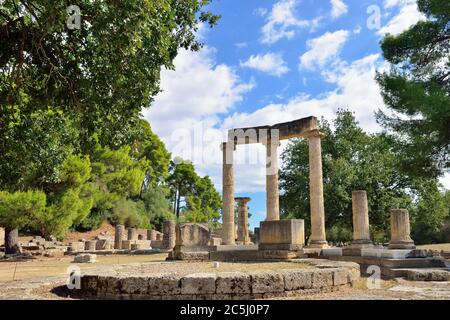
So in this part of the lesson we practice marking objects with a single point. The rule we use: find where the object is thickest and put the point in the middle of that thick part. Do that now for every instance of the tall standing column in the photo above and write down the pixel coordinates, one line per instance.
(228, 232)
(242, 234)
(272, 191)
(400, 230)
(361, 233)
(318, 237)
(169, 234)
(132, 234)
(118, 236)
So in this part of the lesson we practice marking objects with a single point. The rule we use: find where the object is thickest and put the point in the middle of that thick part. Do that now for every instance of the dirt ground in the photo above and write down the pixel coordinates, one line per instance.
(38, 278)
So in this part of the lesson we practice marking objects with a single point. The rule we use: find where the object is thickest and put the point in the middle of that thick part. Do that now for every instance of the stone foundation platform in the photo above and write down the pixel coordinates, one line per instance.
(319, 276)
(417, 265)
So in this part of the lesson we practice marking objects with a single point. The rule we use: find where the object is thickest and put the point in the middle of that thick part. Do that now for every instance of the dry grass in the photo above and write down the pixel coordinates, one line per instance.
(184, 267)
(439, 246)
(46, 267)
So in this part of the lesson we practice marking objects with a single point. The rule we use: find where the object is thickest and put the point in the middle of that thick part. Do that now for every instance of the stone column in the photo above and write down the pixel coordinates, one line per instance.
(242, 234)
(151, 234)
(132, 234)
(361, 233)
(169, 234)
(118, 236)
(12, 245)
(228, 233)
(318, 237)
(400, 230)
(272, 190)
(90, 245)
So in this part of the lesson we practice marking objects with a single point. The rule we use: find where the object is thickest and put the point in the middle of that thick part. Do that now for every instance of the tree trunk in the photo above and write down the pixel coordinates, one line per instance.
(178, 205)
(12, 241)
(175, 202)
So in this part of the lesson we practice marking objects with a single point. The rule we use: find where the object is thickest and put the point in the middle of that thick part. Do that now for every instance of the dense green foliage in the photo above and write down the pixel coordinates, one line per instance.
(202, 201)
(73, 147)
(417, 89)
(355, 160)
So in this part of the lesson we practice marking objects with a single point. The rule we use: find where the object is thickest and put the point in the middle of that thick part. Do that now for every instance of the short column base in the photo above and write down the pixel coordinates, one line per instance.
(402, 245)
(317, 244)
(356, 248)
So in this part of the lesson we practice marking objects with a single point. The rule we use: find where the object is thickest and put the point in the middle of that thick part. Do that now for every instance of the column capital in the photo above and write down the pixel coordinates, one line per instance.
(242, 200)
(314, 133)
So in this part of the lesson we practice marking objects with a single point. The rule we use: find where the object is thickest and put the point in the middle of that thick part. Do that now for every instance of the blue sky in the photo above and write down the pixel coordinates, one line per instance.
(268, 62)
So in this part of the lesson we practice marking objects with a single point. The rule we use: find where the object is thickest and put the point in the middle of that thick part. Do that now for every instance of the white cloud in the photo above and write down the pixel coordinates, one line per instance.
(323, 49)
(356, 90)
(260, 12)
(186, 112)
(409, 15)
(241, 44)
(282, 22)
(445, 180)
(338, 8)
(271, 63)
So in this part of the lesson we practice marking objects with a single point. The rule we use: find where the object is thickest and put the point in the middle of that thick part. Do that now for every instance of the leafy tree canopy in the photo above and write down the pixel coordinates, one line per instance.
(417, 90)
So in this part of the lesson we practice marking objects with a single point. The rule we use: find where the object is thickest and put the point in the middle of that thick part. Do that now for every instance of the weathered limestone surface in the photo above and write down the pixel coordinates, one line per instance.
(104, 244)
(286, 130)
(322, 276)
(192, 234)
(267, 281)
(151, 234)
(85, 258)
(297, 279)
(132, 234)
(228, 232)
(361, 234)
(118, 236)
(75, 246)
(318, 237)
(242, 234)
(272, 190)
(90, 245)
(164, 284)
(126, 244)
(198, 283)
(400, 230)
(282, 235)
(192, 242)
(169, 234)
(233, 282)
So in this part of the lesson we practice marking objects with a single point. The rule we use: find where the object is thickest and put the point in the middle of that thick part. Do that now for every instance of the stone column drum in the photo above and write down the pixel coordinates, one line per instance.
(90, 245)
(242, 234)
(400, 230)
(169, 236)
(132, 234)
(228, 233)
(361, 233)
(151, 235)
(118, 236)
(272, 190)
(318, 237)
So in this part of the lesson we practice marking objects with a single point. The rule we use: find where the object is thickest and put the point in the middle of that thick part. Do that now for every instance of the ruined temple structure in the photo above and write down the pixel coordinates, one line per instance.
(270, 137)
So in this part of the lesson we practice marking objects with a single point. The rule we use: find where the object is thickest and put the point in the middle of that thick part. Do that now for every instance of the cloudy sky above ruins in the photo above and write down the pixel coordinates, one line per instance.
(268, 62)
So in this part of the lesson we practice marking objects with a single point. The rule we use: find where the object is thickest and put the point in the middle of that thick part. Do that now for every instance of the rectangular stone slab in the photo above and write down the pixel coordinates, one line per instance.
(282, 235)
(287, 130)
